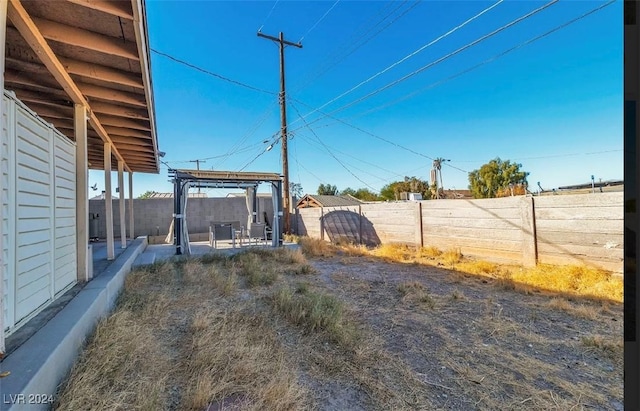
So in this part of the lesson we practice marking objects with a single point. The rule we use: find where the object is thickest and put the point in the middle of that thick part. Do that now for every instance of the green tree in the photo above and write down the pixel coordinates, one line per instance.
(365, 194)
(327, 190)
(392, 191)
(348, 191)
(147, 194)
(494, 176)
(295, 189)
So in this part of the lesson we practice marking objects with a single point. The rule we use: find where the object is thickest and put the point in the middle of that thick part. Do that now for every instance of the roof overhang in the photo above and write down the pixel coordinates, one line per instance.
(89, 52)
(224, 179)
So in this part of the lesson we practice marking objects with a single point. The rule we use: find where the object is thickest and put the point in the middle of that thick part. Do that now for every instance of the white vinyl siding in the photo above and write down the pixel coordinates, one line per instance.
(39, 245)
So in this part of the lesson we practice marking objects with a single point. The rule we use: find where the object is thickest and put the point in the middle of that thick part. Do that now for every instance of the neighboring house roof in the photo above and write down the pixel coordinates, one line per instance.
(94, 54)
(457, 194)
(259, 195)
(327, 201)
(597, 184)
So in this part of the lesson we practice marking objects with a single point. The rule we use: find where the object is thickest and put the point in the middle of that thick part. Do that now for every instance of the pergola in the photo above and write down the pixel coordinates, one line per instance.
(249, 181)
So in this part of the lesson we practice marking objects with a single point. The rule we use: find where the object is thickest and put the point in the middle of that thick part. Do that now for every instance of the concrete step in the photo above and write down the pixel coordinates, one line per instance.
(145, 258)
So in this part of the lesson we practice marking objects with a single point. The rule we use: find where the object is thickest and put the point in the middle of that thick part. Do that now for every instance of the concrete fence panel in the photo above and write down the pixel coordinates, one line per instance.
(309, 222)
(390, 222)
(581, 229)
(487, 228)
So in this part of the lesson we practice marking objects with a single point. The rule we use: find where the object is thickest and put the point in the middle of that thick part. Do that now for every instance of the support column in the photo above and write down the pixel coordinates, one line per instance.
(123, 225)
(82, 193)
(3, 40)
(131, 230)
(108, 201)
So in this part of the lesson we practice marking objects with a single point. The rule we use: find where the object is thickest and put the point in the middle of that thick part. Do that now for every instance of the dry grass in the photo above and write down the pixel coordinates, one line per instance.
(580, 281)
(416, 292)
(234, 354)
(316, 312)
(313, 247)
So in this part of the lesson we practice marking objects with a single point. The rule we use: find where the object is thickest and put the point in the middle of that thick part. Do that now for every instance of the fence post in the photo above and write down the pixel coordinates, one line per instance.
(360, 224)
(418, 224)
(528, 230)
(322, 223)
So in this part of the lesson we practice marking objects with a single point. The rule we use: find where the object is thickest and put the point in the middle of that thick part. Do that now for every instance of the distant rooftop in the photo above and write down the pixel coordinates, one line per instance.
(327, 201)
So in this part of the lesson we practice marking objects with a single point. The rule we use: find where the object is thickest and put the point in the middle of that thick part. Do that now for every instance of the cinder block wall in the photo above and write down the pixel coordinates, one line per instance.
(153, 216)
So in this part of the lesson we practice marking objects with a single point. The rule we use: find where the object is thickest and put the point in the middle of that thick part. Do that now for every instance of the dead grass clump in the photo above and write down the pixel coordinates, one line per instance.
(612, 348)
(478, 267)
(314, 247)
(580, 310)
(429, 252)
(193, 272)
(458, 295)
(211, 258)
(451, 257)
(578, 280)
(301, 269)
(225, 283)
(415, 291)
(114, 371)
(355, 250)
(261, 278)
(235, 358)
(156, 273)
(291, 238)
(395, 252)
(316, 312)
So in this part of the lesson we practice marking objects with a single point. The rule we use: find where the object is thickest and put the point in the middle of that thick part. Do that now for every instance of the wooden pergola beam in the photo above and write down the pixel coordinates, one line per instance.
(85, 39)
(127, 133)
(30, 32)
(115, 8)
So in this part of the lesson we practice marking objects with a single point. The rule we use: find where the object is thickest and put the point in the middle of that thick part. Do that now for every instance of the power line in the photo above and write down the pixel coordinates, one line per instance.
(419, 50)
(335, 62)
(489, 60)
(447, 56)
(221, 77)
(363, 131)
(268, 15)
(329, 151)
(318, 21)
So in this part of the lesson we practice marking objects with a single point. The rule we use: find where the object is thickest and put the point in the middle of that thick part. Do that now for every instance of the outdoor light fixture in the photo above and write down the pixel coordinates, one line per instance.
(269, 148)
(161, 153)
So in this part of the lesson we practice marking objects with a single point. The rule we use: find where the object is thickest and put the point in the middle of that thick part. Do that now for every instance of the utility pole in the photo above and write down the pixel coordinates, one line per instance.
(198, 167)
(283, 119)
(437, 172)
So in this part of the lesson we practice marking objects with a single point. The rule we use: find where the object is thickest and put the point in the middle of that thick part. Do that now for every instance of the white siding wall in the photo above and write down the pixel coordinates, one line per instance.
(38, 213)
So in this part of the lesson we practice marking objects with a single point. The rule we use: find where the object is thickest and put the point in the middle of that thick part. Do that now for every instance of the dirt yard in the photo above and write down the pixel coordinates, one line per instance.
(275, 330)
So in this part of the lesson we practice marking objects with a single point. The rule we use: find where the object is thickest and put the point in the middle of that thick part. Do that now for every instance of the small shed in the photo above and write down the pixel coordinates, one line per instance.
(327, 201)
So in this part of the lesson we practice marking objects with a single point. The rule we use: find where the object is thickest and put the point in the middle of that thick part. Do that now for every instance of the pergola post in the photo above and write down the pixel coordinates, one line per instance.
(108, 202)
(131, 231)
(82, 193)
(123, 226)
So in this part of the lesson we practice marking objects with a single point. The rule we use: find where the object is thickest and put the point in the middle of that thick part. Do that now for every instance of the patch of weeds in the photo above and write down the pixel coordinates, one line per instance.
(451, 257)
(316, 312)
(302, 269)
(612, 348)
(302, 288)
(314, 247)
(262, 278)
(224, 283)
(291, 238)
(395, 252)
(429, 252)
(458, 295)
(415, 291)
(211, 258)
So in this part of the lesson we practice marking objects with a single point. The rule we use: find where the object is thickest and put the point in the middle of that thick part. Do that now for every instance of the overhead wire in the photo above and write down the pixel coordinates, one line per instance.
(441, 59)
(219, 76)
(331, 153)
(487, 61)
(447, 56)
(268, 15)
(355, 46)
(318, 21)
(408, 56)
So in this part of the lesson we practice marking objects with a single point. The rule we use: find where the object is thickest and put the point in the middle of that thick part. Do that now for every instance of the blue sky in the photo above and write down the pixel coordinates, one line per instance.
(554, 105)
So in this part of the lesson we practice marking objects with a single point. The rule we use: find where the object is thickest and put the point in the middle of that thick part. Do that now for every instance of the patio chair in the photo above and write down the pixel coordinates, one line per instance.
(258, 232)
(222, 232)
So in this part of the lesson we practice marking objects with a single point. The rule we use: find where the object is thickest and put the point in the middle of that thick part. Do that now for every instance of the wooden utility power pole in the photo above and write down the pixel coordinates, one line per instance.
(198, 167)
(283, 119)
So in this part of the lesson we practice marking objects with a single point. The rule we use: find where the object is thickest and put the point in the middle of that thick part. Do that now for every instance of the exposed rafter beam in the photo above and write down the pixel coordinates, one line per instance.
(117, 110)
(109, 120)
(29, 31)
(126, 133)
(116, 8)
(108, 94)
(102, 73)
(74, 36)
(41, 98)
